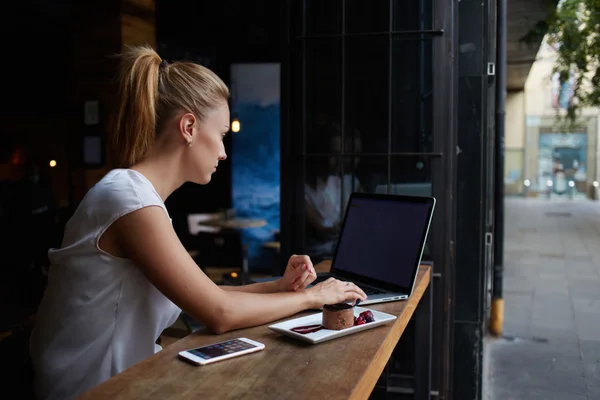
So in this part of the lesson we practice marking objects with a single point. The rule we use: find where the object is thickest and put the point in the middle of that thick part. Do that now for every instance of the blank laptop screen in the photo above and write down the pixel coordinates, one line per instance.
(382, 239)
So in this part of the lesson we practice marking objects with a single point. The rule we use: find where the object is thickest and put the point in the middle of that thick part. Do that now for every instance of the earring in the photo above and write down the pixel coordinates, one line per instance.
(189, 143)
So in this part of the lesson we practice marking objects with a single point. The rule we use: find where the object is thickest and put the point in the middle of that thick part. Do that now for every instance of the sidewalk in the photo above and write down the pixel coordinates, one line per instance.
(550, 347)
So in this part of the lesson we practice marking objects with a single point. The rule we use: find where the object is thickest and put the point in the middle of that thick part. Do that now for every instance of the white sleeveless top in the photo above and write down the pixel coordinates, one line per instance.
(99, 314)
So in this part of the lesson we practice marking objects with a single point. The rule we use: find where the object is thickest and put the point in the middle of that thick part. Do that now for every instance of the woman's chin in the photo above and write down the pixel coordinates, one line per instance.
(204, 181)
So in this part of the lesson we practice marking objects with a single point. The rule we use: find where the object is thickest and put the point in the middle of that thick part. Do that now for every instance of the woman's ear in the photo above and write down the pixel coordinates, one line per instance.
(187, 123)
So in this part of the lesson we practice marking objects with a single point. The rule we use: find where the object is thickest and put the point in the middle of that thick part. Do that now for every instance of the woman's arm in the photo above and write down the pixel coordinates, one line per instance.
(263, 287)
(148, 239)
(298, 274)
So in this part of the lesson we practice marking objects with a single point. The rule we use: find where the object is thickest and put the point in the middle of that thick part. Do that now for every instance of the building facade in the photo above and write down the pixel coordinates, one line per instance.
(542, 159)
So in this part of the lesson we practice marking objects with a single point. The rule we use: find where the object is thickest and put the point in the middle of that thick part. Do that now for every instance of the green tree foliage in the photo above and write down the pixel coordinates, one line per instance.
(573, 30)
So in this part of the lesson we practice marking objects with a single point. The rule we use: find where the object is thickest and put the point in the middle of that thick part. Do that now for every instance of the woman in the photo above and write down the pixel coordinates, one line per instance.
(122, 275)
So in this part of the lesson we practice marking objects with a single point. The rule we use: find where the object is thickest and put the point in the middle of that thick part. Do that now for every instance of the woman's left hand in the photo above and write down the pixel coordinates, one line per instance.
(298, 274)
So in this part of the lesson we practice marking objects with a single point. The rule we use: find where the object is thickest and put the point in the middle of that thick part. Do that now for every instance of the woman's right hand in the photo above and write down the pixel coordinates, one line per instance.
(333, 291)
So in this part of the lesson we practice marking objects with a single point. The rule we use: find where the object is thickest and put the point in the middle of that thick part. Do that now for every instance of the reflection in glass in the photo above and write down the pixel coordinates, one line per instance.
(329, 182)
(366, 91)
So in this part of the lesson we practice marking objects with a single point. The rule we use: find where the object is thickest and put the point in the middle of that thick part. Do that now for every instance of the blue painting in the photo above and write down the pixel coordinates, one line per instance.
(255, 155)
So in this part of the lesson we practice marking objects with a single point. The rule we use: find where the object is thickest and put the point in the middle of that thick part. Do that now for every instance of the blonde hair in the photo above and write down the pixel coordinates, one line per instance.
(150, 91)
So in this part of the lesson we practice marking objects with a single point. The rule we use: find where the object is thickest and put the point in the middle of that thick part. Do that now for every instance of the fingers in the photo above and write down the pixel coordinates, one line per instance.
(306, 278)
(357, 299)
(334, 291)
(310, 265)
(299, 278)
(299, 260)
(348, 288)
(352, 288)
(354, 297)
(302, 279)
(310, 277)
(299, 281)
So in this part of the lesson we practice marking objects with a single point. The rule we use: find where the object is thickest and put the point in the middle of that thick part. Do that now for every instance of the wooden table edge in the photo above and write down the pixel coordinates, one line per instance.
(366, 384)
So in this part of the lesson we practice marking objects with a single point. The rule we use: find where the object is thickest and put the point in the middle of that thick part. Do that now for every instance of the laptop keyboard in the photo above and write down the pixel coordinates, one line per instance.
(367, 289)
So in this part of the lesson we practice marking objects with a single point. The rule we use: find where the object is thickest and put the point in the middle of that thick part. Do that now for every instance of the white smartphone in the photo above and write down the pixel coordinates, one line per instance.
(221, 351)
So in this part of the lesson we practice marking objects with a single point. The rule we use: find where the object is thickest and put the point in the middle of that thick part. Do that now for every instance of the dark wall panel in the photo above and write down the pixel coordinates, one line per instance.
(473, 203)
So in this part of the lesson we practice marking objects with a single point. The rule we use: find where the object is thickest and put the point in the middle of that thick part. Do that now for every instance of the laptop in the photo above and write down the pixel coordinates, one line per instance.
(381, 244)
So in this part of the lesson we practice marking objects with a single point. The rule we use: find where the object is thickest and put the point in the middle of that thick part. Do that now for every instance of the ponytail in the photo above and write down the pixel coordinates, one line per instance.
(150, 89)
(134, 126)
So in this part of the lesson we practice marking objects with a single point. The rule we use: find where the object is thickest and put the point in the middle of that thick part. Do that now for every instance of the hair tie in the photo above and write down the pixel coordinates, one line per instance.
(164, 64)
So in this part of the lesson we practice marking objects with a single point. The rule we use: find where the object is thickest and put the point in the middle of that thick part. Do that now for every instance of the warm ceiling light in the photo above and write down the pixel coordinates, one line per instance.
(235, 125)
(53, 163)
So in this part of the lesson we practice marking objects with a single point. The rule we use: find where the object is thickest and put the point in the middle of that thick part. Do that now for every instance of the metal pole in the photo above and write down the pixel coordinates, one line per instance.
(497, 311)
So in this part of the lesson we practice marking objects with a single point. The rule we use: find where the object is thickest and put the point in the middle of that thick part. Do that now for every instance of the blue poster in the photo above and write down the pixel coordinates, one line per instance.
(255, 155)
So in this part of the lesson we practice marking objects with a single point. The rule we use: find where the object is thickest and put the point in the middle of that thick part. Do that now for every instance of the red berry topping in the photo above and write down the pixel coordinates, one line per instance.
(367, 316)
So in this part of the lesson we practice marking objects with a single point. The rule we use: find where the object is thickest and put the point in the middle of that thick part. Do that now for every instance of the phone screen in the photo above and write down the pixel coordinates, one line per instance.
(221, 349)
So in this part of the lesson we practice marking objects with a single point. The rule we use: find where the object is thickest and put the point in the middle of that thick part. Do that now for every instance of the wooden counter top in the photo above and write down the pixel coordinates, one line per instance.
(344, 368)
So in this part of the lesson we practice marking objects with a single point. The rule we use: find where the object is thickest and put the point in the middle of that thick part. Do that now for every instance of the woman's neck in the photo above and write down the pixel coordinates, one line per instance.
(162, 172)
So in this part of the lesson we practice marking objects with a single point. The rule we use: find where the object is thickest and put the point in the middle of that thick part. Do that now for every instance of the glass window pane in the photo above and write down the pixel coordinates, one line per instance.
(372, 172)
(294, 8)
(412, 15)
(412, 96)
(411, 176)
(326, 193)
(367, 16)
(366, 92)
(324, 203)
(323, 17)
(323, 93)
(329, 181)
